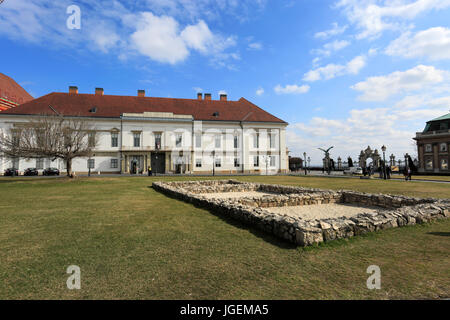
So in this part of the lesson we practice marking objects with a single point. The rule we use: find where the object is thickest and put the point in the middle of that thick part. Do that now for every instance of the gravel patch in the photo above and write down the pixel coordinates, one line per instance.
(323, 211)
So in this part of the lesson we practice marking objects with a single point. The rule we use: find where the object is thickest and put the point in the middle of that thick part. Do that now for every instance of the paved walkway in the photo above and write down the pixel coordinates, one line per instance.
(300, 174)
(339, 174)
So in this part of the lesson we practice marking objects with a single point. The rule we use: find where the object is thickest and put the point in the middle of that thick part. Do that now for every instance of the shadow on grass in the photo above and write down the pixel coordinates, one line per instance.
(442, 234)
(282, 244)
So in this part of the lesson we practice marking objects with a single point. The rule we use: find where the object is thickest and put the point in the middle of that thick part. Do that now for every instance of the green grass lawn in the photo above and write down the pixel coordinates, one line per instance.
(134, 243)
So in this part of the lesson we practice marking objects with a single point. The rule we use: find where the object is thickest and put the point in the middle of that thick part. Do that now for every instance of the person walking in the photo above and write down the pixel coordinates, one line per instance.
(149, 171)
(409, 173)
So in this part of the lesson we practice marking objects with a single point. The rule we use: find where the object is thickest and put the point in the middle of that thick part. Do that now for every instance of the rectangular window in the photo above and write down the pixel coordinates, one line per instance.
(16, 139)
(443, 147)
(114, 163)
(444, 164)
(178, 140)
(236, 142)
(428, 148)
(198, 163)
(272, 161)
(157, 141)
(114, 139)
(256, 161)
(198, 140)
(91, 139)
(137, 139)
(272, 140)
(218, 163)
(256, 141)
(218, 140)
(429, 163)
(236, 162)
(91, 163)
(39, 164)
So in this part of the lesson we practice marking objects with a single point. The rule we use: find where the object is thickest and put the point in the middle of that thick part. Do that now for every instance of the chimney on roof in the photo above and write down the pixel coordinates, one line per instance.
(223, 97)
(207, 96)
(99, 91)
(199, 96)
(141, 93)
(73, 89)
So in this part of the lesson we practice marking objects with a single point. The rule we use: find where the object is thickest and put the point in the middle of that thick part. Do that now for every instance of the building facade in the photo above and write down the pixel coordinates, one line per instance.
(11, 93)
(433, 144)
(184, 136)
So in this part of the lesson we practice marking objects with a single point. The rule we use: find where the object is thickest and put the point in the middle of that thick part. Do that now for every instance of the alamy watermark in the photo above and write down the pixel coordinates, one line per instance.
(74, 280)
(74, 20)
(374, 281)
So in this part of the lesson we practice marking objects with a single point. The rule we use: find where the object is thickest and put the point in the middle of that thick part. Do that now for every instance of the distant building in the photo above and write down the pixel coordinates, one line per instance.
(168, 135)
(11, 93)
(433, 144)
(295, 163)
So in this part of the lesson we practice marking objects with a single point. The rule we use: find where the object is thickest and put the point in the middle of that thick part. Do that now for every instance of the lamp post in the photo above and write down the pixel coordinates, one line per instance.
(383, 148)
(89, 166)
(406, 162)
(304, 156)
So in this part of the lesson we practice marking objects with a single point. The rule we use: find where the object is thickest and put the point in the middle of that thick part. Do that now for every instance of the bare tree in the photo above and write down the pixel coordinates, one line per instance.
(54, 137)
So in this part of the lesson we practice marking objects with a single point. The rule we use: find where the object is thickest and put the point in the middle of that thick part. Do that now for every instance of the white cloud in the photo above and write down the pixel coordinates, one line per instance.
(255, 46)
(198, 36)
(382, 87)
(433, 44)
(334, 31)
(331, 47)
(159, 39)
(355, 65)
(291, 89)
(104, 38)
(423, 101)
(109, 27)
(373, 17)
(362, 127)
(260, 91)
(191, 10)
(331, 71)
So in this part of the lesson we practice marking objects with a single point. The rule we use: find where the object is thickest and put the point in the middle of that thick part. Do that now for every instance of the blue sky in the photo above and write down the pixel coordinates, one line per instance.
(346, 73)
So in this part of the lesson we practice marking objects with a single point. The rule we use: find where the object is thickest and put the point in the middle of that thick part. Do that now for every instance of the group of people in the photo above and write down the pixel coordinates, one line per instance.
(387, 171)
(407, 172)
(368, 171)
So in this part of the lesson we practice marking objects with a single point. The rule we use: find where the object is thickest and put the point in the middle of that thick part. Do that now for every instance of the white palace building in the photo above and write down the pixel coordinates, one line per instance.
(187, 136)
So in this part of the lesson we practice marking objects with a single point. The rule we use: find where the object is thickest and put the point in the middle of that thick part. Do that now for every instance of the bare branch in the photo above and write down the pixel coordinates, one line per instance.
(50, 136)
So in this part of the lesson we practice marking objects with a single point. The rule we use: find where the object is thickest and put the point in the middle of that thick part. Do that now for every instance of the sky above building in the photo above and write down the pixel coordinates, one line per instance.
(343, 73)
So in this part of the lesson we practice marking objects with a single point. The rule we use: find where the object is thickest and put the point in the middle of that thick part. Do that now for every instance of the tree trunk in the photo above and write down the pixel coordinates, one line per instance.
(69, 168)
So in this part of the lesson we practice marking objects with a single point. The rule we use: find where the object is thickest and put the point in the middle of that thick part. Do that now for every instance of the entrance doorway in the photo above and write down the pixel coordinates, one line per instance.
(136, 164)
(158, 162)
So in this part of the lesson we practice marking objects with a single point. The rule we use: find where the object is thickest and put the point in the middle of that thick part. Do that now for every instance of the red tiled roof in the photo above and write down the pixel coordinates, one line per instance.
(113, 106)
(10, 90)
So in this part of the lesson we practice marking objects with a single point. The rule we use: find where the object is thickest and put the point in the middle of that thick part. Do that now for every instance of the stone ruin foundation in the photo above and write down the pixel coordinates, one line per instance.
(305, 216)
